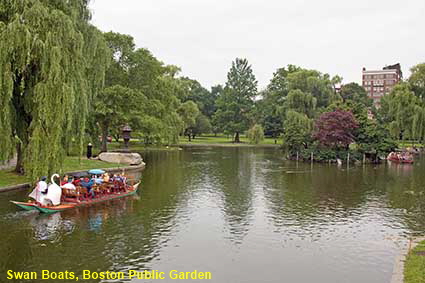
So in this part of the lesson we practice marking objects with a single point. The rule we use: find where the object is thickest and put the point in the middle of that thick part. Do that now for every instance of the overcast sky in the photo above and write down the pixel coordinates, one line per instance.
(333, 36)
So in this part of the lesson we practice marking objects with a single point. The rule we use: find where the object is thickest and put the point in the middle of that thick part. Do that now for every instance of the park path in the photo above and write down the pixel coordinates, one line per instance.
(10, 164)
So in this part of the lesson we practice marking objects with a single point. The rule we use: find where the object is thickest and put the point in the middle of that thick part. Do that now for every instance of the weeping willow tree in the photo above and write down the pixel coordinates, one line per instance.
(52, 63)
(418, 131)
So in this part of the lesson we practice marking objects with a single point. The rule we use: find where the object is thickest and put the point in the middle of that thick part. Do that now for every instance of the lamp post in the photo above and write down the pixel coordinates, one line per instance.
(126, 134)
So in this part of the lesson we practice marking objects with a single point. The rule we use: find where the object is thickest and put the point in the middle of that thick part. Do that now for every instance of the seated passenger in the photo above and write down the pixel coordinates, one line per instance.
(106, 177)
(40, 190)
(86, 183)
(76, 181)
(64, 180)
(97, 180)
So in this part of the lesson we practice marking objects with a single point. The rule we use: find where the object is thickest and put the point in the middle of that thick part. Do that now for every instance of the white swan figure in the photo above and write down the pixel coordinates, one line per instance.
(54, 192)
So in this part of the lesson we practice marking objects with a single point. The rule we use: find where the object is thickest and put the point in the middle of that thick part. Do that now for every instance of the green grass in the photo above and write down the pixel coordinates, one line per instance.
(221, 140)
(224, 140)
(414, 267)
(138, 146)
(403, 144)
(9, 178)
(74, 164)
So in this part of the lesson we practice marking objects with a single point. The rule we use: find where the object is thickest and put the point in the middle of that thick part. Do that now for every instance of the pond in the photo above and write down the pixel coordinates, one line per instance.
(243, 214)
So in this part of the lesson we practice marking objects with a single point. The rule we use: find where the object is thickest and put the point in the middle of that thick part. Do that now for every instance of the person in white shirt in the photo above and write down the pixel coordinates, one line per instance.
(40, 190)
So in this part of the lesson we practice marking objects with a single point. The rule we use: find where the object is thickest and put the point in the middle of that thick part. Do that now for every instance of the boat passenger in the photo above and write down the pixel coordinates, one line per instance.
(69, 184)
(76, 181)
(106, 177)
(86, 183)
(40, 190)
(64, 180)
(97, 180)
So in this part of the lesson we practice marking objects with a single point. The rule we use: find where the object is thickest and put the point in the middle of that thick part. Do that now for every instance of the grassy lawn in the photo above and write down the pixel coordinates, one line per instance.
(221, 139)
(75, 164)
(8, 178)
(414, 267)
(136, 145)
(403, 144)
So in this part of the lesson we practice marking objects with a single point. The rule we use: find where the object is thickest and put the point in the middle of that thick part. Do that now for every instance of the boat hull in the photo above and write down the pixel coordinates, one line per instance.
(408, 161)
(25, 205)
(66, 206)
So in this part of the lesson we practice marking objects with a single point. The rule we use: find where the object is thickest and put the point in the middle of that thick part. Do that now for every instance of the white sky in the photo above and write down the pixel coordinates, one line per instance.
(333, 36)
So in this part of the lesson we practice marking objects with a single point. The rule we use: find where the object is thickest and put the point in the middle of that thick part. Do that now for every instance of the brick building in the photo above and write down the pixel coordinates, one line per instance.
(377, 83)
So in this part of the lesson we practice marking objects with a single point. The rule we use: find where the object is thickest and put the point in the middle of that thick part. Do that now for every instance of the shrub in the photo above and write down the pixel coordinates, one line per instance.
(256, 134)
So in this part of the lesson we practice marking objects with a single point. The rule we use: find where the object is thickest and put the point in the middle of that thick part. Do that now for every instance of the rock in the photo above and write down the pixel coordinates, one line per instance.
(121, 158)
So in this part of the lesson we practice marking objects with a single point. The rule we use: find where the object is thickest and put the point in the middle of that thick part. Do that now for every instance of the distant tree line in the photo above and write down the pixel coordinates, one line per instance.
(64, 83)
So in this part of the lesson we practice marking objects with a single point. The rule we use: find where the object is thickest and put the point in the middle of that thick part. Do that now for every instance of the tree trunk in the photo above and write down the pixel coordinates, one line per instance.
(19, 159)
(189, 136)
(104, 147)
(237, 140)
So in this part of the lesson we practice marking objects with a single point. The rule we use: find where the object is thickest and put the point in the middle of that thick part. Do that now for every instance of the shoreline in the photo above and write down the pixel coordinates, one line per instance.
(130, 168)
(187, 145)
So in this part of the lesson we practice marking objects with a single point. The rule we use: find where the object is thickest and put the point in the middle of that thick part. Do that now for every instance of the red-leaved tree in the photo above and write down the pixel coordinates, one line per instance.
(335, 129)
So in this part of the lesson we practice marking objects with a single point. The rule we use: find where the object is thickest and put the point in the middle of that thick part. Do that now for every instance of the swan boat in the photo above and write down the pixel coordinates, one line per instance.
(79, 197)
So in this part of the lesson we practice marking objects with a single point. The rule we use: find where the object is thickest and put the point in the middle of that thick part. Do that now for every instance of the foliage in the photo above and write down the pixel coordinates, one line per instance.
(301, 102)
(269, 116)
(319, 85)
(356, 93)
(374, 138)
(398, 110)
(202, 97)
(417, 80)
(202, 125)
(297, 132)
(235, 104)
(335, 129)
(256, 134)
(188, 112)
(115, 106)
(52, 63)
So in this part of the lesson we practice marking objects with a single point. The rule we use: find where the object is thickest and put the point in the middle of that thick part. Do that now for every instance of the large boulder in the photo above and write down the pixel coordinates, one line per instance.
(121, 157)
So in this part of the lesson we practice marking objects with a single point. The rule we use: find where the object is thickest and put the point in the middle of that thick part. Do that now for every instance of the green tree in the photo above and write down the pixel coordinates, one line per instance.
(356, 93)
(202, 125)
(301, 102)
(319, 85)
(373, 138)
(297, 133)
(234, 106)
(202, 97)
(398, 110)
(52, 64)
(417, 80)
(117, 105)
(188, 111)
(256, 134)
(269, 115)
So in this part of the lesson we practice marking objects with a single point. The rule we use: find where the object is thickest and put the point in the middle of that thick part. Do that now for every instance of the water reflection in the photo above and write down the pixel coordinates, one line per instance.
(233, 212)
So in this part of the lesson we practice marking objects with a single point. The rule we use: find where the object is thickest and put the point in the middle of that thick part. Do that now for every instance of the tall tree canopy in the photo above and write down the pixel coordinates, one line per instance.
(356, 93)
(235, 104)
(52, 63)
(398, 109)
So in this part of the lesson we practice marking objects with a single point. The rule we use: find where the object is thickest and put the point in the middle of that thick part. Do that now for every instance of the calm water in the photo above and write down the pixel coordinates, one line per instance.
(245, 215)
